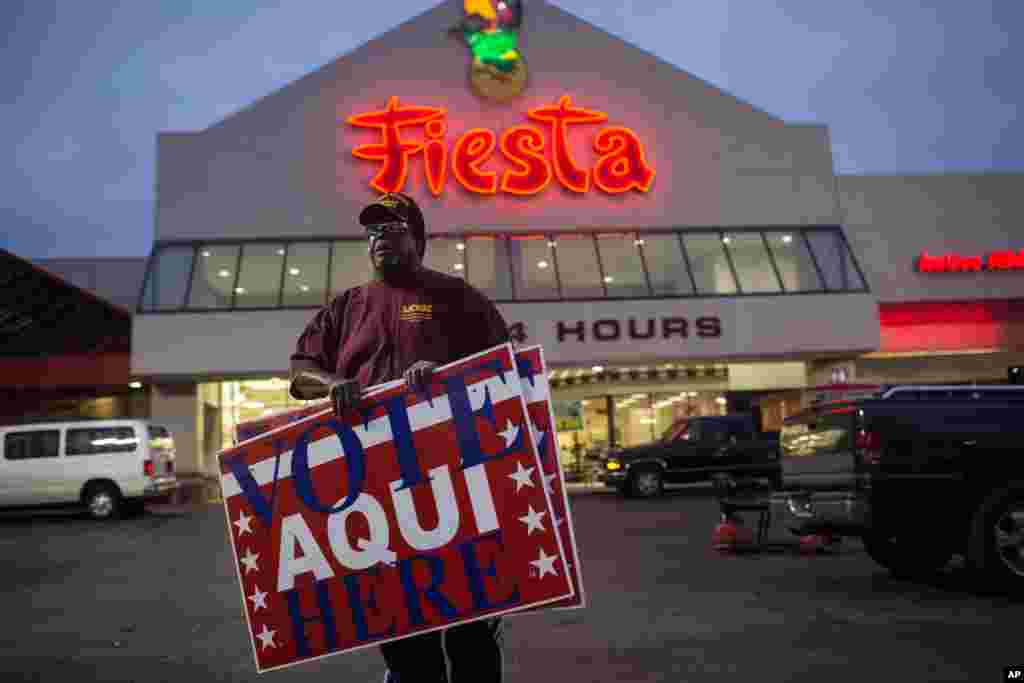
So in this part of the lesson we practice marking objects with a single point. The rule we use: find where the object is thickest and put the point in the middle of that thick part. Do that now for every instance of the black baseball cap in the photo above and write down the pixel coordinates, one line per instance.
(395, 206)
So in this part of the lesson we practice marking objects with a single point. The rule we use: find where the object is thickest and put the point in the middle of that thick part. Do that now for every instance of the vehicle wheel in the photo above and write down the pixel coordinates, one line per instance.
(646, 483)
(907, 559)
(996, 545)
(102, 501)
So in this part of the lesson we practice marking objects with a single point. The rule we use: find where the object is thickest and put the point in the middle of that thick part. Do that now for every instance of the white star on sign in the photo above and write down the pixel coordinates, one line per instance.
(545, 564)
(523, 476)
(259, 599)
(249, 560)
(548, 478)
(510, 433)
(532, 521)
(267, 637)
(243, 522)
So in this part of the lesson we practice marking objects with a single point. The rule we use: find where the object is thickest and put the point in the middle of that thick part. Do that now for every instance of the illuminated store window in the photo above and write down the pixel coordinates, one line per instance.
(259, 278)
(305, 274)
(794, 262)
(623, 269)
(753, 265)
(213, 279)
(488, 266)
(578, 270)
(665, 263)
(350, 265)
(168, 279)
(533, 267)
(446, 255)
(711, 269)
(835, 261)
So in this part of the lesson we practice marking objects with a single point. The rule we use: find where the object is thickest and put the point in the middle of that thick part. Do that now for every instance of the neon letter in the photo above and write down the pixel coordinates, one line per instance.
(523, 146)
(471, 150)
(394, 152)
(559, 116)
(435, 156)
(622, 166)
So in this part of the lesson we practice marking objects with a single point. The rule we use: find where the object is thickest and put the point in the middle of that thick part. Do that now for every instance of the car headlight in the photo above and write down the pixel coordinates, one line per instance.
(613, 465)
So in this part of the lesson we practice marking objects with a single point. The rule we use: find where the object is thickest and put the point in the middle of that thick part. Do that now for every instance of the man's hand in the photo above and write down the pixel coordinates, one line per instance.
(418, 375)
(345, 394)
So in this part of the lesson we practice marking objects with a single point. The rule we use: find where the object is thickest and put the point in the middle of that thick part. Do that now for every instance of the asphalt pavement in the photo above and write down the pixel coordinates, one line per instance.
(155, 598)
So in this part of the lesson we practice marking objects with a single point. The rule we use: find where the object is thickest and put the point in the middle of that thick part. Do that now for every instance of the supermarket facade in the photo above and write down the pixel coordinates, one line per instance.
(675, 250)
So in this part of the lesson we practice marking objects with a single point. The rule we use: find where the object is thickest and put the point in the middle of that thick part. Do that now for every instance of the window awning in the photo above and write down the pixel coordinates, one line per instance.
(53, 334)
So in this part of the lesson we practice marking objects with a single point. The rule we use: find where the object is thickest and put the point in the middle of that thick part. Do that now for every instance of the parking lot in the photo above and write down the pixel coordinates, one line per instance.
(155, 598)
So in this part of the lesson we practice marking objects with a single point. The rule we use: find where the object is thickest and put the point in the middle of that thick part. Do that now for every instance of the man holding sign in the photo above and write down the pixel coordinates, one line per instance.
(405, 323)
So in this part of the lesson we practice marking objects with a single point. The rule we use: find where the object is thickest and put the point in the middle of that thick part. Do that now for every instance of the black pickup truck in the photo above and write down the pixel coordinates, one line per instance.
(695, 449)
(918, 475)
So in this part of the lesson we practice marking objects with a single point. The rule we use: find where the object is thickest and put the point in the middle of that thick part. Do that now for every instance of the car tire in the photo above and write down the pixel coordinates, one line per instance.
(919, 557)
(102, 501)
(996, 541)
(646, 483)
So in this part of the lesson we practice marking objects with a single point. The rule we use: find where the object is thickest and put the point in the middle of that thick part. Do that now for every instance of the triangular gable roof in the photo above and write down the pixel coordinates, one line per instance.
(540, 16)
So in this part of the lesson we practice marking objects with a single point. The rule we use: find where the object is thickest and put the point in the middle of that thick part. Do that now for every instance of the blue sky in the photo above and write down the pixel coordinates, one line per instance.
(905, 87)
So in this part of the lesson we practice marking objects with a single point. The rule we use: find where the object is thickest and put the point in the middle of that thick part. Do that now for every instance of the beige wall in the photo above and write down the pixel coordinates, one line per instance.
(259, 343)
(889, 220)
(283, 166)
(177, 407)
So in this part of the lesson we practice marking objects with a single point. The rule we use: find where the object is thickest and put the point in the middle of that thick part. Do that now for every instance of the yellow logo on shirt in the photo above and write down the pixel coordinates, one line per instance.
(414, 313)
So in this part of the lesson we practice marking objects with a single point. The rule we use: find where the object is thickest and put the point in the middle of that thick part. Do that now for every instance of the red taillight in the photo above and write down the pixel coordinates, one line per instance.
(147, 468)
(870, 445)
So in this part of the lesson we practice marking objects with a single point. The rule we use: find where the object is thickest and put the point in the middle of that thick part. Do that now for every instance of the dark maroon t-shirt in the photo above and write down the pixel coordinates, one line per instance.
(374, 332)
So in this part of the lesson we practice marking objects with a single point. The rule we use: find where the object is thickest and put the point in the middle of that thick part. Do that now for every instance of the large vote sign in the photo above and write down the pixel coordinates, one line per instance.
(533, 373)
(413, 513)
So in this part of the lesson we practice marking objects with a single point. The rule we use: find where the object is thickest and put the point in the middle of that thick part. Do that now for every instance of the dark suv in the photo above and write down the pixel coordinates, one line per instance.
(694, 449)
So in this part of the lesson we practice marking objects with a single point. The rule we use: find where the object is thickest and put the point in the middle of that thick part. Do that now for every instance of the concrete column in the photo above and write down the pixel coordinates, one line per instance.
(177, 407)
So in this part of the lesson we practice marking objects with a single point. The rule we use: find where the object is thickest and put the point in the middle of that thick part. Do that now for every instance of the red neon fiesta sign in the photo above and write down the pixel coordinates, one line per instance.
(955, 263)
(622, 165)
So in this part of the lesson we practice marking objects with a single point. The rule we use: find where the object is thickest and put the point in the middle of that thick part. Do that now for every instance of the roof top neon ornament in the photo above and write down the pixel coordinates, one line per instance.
(491, 31)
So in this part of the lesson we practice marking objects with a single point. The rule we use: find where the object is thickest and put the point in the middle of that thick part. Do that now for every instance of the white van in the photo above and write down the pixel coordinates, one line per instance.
(107, 466)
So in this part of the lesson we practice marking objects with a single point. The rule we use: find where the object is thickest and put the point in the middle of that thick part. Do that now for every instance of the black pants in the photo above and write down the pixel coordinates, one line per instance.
(473, 649)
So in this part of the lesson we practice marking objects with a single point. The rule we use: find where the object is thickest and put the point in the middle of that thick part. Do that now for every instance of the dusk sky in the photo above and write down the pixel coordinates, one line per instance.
(905, 87)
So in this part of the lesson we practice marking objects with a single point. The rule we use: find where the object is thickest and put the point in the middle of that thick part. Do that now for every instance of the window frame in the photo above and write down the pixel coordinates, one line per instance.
(15, 432)
(506, 236)
(118, 451)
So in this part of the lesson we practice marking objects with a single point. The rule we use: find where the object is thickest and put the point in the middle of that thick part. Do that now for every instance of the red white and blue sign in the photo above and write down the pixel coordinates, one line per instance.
(414, 513)
(533, 373)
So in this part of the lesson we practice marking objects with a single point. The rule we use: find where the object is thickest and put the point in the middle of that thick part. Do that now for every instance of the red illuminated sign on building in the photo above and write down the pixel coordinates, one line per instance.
(955, 263)
(622, 165)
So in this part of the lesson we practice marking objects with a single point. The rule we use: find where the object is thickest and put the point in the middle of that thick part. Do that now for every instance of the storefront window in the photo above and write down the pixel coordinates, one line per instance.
(794, 261)
(753, 265)
(623, 269)
(235, 402)
(305, 277)
(259, 279)
(168, 279)
(213, 279)
(533, 267)
(711, 269)
(350, 265)
(446, 255)
(488, 266)
(835, 260)
(578, 270)
(646, 417)
(669, 273)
